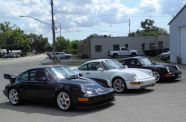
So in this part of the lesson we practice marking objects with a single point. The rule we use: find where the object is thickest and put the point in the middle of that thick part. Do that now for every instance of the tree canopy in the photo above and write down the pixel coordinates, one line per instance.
(148, 29)
(13, 38)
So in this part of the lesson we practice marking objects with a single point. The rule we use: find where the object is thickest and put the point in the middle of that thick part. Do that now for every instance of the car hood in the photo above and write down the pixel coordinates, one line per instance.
(83, 81)
(164, 66)
(140, 73)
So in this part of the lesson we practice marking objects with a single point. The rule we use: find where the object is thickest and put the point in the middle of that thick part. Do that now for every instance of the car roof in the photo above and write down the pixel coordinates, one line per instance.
(45, 67)
(96, 60)
(137, 57)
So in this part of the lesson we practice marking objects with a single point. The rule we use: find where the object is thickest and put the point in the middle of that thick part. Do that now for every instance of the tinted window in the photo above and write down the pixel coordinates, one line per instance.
(37, 75)
(84, 67)
(23, 77)
(133, 62)
(94, 66)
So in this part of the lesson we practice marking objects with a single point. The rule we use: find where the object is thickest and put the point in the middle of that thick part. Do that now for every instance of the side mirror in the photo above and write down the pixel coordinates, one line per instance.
(100, 69)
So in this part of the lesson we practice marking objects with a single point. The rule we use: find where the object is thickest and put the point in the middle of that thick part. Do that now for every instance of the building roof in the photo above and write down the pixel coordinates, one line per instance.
(177, 14)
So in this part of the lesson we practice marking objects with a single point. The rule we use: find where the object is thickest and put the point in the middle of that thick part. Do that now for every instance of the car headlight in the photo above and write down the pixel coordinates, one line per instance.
(134, 76)
(167, 68)
(109, 83)
(83, 89)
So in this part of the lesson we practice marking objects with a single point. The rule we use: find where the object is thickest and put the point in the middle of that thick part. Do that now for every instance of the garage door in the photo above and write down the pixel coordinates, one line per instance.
(183, 44)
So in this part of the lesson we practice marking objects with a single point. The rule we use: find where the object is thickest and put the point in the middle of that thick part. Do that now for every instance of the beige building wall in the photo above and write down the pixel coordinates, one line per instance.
(134, 43)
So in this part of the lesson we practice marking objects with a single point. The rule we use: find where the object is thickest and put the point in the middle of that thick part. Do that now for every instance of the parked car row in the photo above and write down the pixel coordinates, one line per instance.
(59, 55)
(10, 55)
(93, 83)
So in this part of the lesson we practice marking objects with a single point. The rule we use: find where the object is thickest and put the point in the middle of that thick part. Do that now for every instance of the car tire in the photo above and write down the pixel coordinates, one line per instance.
(14, 97)
(133, 54)
(67, 57)
(119, 85)
(156, 75)
(115, 55)
(64, 101)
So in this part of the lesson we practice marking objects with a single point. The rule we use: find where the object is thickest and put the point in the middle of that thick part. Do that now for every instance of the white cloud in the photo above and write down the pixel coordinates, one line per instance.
(150, 5)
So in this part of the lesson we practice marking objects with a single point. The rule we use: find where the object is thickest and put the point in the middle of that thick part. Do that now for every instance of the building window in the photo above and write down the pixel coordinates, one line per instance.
(143, 46)
(116, 47)
(98, 48)
(152, 46)
(126, 45)
(160, 45)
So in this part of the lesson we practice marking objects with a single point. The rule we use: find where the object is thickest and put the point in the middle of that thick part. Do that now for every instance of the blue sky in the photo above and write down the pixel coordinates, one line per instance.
(80, 18)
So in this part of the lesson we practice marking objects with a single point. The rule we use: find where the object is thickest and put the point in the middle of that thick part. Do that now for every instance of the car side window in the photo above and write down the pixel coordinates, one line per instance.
(23, 77)
(134, 62)
(124, 62)
(94, 66)
(84, 67)
(37, 75)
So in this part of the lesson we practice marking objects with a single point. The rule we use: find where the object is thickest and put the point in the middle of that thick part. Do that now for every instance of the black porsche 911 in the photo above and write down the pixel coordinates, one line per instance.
(160, 71)
(60, 84)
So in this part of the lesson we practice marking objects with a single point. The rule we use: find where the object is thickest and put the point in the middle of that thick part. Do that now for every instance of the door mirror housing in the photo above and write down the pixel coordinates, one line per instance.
(100, 69)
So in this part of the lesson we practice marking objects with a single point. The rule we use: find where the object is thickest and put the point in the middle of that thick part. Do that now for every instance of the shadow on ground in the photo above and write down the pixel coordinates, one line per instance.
(135, 92)
(51, 109)
(169, 81)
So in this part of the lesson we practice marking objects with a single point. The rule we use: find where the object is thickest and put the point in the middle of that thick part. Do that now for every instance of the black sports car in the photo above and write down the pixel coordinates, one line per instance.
(60, 84)
(160, 71)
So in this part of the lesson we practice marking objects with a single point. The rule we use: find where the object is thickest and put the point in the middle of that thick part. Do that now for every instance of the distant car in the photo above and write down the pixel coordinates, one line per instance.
(160, 71)
(59, 55)
(14, 55)
(165, 56)
(59, 84)
(119, 79)
(123, 52)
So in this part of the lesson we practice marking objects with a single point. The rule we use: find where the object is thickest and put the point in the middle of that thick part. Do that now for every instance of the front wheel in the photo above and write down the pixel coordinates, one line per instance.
(156, 75)
(63, 101)
(119, 85)
(13, 96)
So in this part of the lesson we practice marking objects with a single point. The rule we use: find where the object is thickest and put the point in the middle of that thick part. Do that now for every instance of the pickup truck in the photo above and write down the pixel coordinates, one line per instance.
(123, 52)
(59, 55)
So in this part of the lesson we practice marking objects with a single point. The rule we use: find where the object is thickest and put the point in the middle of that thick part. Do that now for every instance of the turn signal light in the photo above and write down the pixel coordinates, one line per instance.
(83, 99)
(136, 83)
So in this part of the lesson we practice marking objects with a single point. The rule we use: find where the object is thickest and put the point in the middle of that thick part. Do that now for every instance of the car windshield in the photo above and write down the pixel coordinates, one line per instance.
(108, 65)
(62, 72)
(145, 61)
(116, 63)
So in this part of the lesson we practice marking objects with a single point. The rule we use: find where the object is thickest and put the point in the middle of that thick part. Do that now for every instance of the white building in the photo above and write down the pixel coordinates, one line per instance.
(178, 37)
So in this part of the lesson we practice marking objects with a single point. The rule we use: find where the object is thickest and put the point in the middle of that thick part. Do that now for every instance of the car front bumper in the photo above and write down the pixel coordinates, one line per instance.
(144, 83)
(99, 100)
(173, 75)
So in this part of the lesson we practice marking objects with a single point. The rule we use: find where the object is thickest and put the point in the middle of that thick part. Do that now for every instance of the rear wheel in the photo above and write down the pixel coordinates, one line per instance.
(63, 101)
(119, 85)
(156, 75)
(115, 55)
(13, 96)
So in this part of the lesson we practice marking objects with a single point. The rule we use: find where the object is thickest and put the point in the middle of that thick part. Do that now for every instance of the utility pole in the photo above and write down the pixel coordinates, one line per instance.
(60, 29)
(129, 26)
(53, 27)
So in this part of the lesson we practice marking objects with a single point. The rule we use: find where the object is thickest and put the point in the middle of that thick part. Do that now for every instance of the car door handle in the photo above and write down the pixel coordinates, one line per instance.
(87, 73)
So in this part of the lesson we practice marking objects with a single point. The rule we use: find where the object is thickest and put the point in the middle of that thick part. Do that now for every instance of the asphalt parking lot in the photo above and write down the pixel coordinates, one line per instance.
(165, 102)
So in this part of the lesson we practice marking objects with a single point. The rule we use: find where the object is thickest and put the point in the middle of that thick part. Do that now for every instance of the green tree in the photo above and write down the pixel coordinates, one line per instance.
(148, 29)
